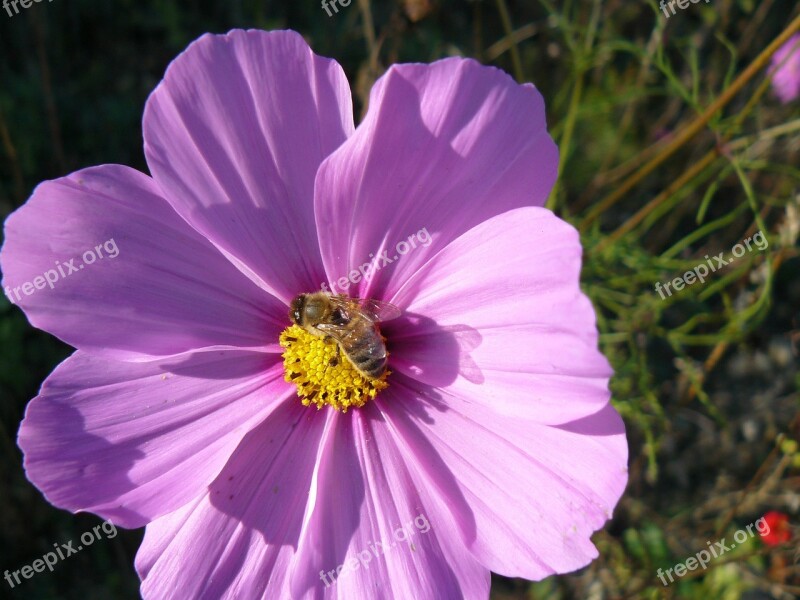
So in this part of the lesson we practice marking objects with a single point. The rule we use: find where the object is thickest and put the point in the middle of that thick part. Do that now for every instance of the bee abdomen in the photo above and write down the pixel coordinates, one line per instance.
(372, 366)
(368, 355)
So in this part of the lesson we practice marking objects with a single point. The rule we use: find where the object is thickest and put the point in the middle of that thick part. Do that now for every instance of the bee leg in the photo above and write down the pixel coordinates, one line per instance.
(335, 360)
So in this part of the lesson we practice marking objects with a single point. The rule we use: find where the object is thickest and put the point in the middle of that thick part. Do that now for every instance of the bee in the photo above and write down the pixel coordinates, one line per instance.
(351, 322)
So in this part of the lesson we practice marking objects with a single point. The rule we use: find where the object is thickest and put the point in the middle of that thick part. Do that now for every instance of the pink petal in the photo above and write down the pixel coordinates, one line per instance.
(133, 441)
(443, 148)
(786, 66)
(526, 496)
(370, 531)
(504, 321)
(236, 540)
(334, 488)
(164, 291)
(234, 135)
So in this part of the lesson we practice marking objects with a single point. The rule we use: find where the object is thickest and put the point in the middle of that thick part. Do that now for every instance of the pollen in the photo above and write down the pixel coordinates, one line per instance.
(323, 374)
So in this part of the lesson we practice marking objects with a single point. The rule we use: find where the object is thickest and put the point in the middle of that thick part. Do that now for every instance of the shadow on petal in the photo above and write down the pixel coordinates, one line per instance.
(402, 407)
(432, 354)
(604, 422)
(62, 458)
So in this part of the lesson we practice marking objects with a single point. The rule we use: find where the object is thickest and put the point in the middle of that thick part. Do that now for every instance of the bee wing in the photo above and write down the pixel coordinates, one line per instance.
(337, 332)
(377, 310)
(374, 310)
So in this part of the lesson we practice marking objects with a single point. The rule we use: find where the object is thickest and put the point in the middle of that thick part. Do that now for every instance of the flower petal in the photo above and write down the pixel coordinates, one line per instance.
(506, 323)
(234, 135)
(526, 496)
(160, 288)
(370, 532)
(133, 441)
(786, 70)
(443, 147)
(236, 540)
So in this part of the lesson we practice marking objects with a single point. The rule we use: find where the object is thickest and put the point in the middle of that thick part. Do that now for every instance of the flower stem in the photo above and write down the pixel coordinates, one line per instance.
(695, 127)
(515, 58)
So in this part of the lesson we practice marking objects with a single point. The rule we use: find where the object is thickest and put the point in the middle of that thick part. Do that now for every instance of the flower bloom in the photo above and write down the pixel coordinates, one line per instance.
(490, 440)
(786, 66)
(777, 528)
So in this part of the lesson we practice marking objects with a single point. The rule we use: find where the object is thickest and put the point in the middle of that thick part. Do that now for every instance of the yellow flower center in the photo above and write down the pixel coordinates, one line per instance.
(323, 374)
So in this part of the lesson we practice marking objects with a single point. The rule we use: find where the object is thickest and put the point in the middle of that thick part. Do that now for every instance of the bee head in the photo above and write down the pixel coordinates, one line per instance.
(296, 309)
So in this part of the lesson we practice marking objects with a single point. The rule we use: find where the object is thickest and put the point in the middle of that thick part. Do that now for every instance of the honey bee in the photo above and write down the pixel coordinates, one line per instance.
(351, 323)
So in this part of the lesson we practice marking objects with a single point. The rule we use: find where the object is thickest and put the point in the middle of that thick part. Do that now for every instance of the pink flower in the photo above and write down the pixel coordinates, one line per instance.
(786, 70)
(493, 447)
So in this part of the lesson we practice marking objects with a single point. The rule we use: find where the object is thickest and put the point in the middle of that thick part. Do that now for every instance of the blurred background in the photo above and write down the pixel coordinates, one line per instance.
(706, 379)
